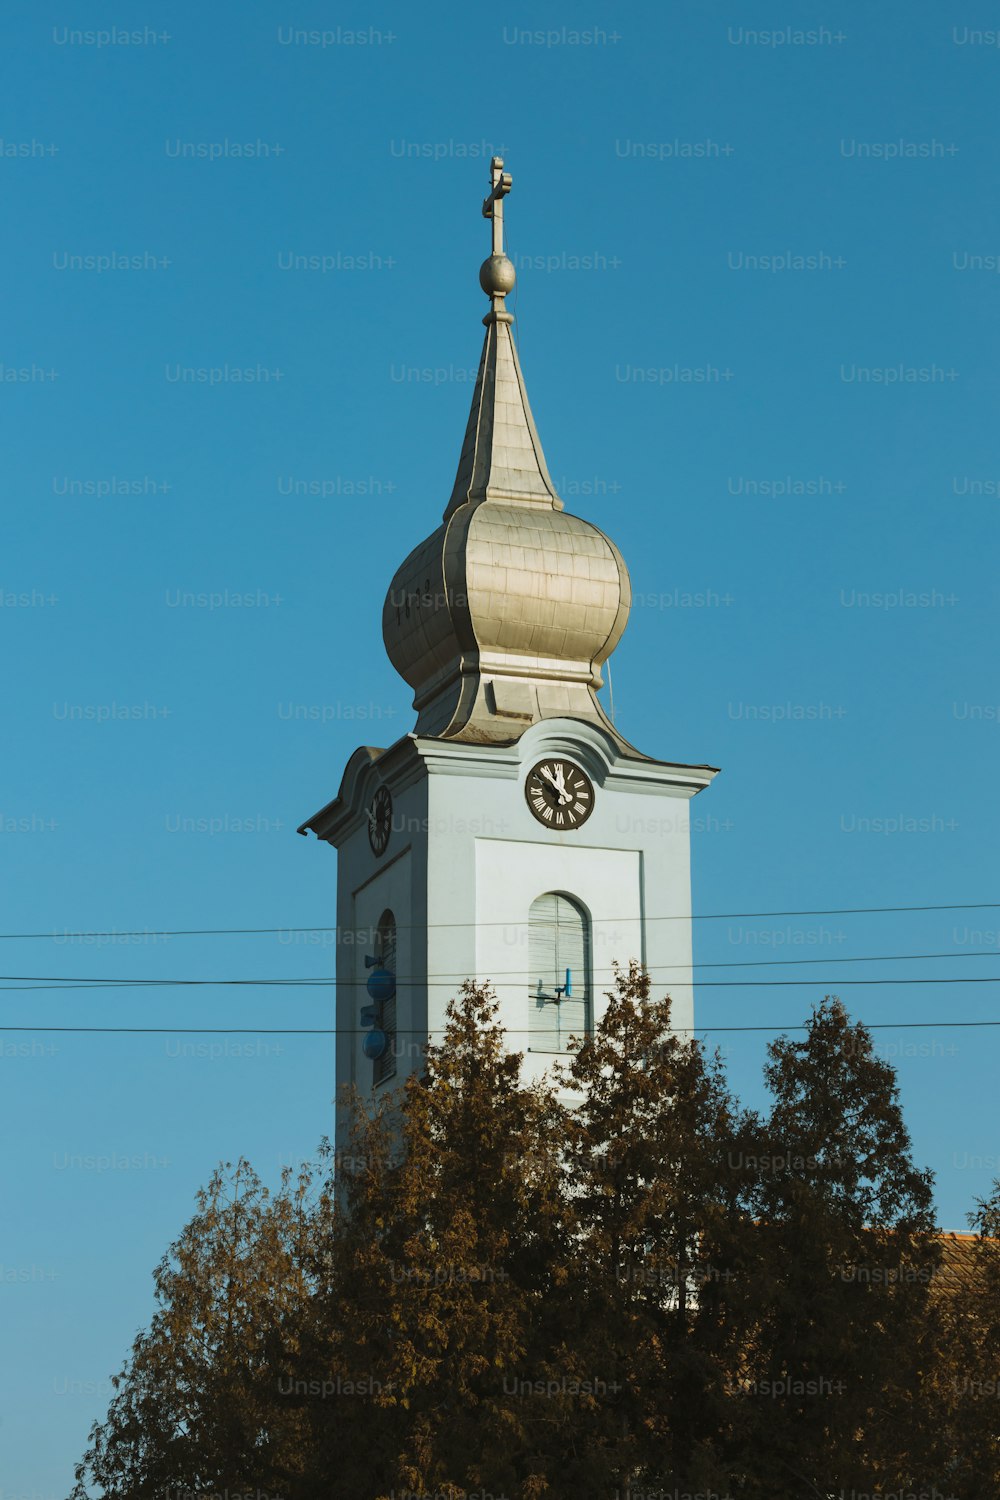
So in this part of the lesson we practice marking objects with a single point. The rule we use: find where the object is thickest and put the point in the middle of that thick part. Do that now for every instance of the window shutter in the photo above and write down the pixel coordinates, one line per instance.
(543, 1022)
(558, 939)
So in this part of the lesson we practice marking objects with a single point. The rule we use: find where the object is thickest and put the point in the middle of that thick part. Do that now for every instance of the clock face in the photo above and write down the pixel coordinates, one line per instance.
(380, 820)
(559, 794)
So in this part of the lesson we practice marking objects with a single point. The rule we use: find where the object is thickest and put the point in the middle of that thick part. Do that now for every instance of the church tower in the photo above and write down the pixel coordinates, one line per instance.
(513, 835)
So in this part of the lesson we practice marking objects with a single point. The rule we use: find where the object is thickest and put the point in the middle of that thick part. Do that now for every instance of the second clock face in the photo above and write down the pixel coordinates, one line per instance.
(380, 820)
(559, 794)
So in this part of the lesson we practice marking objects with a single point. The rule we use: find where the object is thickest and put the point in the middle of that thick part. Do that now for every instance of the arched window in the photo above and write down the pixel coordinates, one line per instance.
(558, 939)
(385, 952)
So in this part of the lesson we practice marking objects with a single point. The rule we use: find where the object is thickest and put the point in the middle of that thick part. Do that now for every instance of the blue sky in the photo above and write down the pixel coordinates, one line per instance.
(757, 311)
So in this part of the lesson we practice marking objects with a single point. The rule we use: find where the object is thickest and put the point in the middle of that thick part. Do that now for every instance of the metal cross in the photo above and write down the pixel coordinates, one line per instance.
(493, 205)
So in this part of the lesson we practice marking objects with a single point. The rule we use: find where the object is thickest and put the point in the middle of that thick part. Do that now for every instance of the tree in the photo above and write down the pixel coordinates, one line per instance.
(198, 1404)
(963, 1367)
(660, 1221)
(836, 1306)
(360, 1336)
(443, 1265)
(616, 1280)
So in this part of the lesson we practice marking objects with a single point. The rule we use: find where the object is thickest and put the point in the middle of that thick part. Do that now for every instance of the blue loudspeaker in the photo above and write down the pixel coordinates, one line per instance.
(381, 985)
(374, 1044)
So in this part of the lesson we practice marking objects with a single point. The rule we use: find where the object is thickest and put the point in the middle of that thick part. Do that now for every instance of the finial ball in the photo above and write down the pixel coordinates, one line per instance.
(497, 276)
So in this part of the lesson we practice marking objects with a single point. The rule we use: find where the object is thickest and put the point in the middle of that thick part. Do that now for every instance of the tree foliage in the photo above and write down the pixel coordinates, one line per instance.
(843, 1256)
(616, 1281)
(197, 1406)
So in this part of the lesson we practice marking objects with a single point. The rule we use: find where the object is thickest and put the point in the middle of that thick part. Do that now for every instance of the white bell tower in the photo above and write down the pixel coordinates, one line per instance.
(514, 836)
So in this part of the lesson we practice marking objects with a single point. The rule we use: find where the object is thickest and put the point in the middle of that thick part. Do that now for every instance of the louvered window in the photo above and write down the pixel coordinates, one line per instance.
(385, 952)
(558, 939)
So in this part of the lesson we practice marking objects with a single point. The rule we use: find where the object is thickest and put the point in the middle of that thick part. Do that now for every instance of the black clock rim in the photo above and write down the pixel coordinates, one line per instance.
(378, 837)
(546, 760)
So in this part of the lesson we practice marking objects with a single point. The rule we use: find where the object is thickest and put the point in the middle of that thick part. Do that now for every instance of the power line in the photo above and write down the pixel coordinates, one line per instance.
(191, 1030)
(356, 984)
(831, 958)
(707, 916)
(508, 1030)
(72, 981)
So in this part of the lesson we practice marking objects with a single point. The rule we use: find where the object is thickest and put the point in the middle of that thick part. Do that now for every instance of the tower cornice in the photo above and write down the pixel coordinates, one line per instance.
(615, 764)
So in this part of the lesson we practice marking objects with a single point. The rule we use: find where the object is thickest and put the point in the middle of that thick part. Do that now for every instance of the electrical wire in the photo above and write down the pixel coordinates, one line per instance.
(508, 1030)
(322, 980)
(705, 916)
(313, 984)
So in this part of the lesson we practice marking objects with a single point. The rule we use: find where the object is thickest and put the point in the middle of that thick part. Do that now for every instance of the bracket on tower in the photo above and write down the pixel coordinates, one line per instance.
(560, 990)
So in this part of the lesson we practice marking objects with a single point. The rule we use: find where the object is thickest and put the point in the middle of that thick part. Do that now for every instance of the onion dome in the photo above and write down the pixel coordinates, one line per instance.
(506, 613)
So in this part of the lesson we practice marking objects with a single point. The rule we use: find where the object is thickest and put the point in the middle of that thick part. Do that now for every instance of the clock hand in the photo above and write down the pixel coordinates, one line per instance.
(558, 787)
(564, 795)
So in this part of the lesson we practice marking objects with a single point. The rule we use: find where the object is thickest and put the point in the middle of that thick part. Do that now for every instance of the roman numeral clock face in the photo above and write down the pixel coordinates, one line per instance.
(380, 820)
(559, 794)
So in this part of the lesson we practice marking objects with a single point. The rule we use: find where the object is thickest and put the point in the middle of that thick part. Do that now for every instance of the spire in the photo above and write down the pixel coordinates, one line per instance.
(506, 613)
(502, 456)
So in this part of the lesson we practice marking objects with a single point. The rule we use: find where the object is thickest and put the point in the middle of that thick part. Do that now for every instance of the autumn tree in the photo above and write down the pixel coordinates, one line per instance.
(614, 1280)
(197, 1404)
(836, 1300)
(357, 1336)
(659, 1220)
(962, 1391)
(444, 1267)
